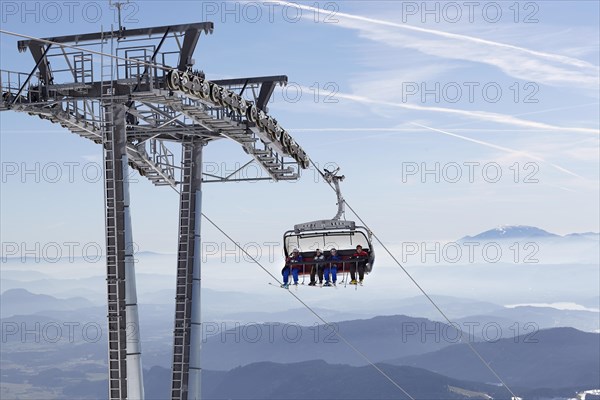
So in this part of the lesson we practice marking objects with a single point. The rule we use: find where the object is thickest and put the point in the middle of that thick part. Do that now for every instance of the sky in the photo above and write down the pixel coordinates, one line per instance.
(446, 121)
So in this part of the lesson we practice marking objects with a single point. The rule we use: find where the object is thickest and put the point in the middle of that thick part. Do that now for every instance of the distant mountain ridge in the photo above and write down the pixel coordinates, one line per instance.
(551, 362)
(517, 231)
(520, 231)
(21, 301)
(380, 338)
(551, 358)
(307, 380)
(320, 380)
(22, 259)
(587, 235)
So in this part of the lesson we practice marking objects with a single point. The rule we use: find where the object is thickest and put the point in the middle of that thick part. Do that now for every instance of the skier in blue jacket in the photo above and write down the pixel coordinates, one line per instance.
(334, 260)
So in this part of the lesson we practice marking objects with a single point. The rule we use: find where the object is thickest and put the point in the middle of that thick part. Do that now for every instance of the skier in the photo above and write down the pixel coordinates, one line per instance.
(317, 268)
(360, 258)
(333, 261)
(291, 265)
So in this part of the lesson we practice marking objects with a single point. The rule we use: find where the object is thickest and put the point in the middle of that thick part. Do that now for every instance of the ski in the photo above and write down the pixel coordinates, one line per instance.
(278, 286)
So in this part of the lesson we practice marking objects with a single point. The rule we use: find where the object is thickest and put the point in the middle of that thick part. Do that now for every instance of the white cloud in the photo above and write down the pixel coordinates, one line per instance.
(516, 61)
(479, 115)
(504, 149)
(585, 152)
(557, 306)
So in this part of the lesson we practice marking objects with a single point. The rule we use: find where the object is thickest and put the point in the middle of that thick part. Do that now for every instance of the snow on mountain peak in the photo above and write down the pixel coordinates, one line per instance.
(512, 231)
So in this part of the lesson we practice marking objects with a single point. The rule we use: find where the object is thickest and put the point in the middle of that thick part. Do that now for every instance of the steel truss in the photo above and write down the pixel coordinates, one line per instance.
(120, 89)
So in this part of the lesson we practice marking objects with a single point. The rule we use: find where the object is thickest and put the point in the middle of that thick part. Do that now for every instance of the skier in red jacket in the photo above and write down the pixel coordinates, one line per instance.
(360, 258)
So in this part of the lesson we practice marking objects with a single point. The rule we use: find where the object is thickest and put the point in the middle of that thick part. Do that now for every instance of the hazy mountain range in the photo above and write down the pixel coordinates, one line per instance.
(219, 305)
(306, 380)
(20, 301)
(552, 364)
(531, 245)
(543, 364)
(552, 358)
(519, 316)
(527, 232)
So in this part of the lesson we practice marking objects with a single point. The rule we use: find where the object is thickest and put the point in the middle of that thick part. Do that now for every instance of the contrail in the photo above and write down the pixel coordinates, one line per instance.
(353, 130)
(456, 126)
(501, 148)
(550, 56)
(481, 115)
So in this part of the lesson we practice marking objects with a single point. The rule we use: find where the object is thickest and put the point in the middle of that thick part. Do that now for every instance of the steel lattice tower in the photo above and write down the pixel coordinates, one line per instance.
(144, 98)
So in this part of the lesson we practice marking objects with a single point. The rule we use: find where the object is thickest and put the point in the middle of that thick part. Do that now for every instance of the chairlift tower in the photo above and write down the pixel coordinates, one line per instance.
(135, 92)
